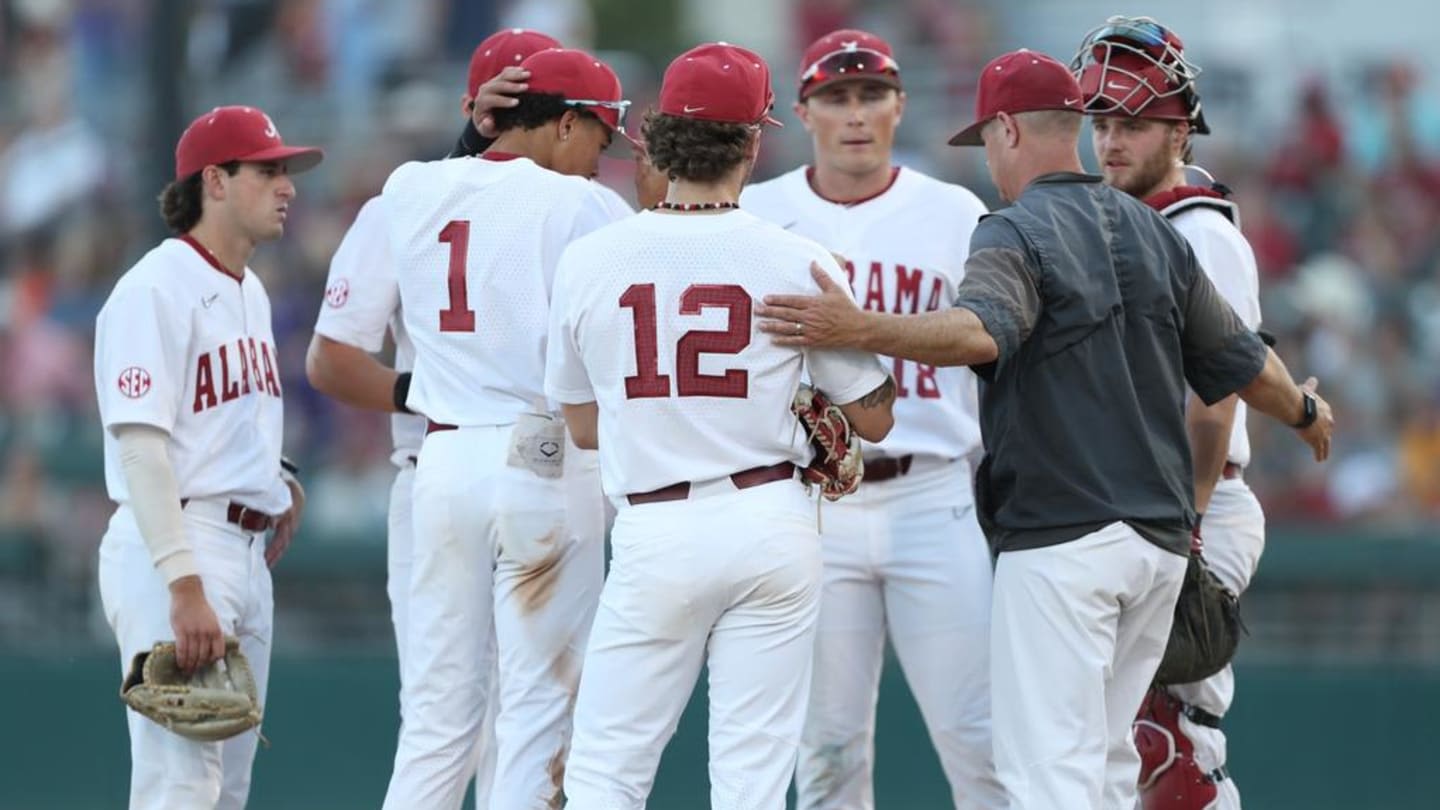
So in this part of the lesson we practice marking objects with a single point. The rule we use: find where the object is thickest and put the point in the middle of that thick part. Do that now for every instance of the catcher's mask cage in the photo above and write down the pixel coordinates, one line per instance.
(1135, 66)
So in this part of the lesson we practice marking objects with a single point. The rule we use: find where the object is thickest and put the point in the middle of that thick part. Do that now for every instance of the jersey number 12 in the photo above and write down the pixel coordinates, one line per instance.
(649, 382)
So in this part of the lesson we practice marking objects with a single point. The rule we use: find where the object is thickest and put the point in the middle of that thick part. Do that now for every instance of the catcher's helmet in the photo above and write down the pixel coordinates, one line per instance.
(1135, 66)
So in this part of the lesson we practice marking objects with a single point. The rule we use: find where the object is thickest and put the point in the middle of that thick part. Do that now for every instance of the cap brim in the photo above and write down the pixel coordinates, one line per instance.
(297, 159)
(970, 136)
(878, 78)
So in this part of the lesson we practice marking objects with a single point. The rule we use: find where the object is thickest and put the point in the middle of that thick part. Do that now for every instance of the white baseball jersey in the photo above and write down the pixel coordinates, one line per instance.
(475, 241)
(362, 300)
(182, 345)
(653, 320)
(614, 203)
(1229, 261)
(905, 252)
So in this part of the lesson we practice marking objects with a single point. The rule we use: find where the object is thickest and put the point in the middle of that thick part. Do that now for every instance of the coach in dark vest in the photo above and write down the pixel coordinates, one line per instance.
(1085, 314)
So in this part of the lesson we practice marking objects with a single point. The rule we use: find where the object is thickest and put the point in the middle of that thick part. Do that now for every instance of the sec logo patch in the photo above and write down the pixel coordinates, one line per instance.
(337, 294)
(134, 382)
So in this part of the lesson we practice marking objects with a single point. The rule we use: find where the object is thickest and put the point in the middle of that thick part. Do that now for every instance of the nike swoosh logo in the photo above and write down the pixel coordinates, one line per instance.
(209, 299)
(688, 109)
(1071, 102)
(1118, 86)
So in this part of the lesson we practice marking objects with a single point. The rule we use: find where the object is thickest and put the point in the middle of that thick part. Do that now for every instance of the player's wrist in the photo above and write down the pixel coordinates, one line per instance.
(401, 392)
(1309, 411)
(187, 586)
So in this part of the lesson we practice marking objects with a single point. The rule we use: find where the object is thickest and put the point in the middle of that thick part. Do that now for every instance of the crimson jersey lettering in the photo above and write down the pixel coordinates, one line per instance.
(204, 337)
(904, 253)
(235, 379)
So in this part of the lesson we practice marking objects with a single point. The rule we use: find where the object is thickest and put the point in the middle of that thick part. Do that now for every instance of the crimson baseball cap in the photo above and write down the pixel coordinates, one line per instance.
(1134, 66)
(847, 54)
(1020, 81)
(719, 82)
(502, 49)
(238, 133)
(580, 79)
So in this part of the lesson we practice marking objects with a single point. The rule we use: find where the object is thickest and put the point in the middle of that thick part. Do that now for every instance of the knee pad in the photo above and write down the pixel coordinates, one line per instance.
(1170, 779)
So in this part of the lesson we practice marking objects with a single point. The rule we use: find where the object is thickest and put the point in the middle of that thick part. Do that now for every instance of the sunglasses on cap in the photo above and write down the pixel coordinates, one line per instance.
(849, 63)
(620, 107)
(1142, 36)
(1136, 29)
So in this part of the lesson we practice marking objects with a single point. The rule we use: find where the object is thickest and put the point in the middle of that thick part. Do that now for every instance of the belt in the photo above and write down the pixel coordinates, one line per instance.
(1232, 471)
(435, 427)
(251, 520)
(753, 477)
(1218, 775)
(886, 468)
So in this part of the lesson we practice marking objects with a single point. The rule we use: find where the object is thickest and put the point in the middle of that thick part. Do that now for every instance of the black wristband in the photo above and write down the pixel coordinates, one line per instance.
(471, 142)
(401, 392)
(1308, 412)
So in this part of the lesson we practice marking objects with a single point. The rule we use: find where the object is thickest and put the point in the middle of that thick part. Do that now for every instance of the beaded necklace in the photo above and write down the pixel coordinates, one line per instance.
(666, 205)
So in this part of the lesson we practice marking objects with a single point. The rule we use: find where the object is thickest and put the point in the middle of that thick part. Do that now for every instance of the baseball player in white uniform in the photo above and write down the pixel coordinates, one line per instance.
(1141, 89)
(904, 555)
(716, 558)
(187, 379)
(362, 304)
(508, 523)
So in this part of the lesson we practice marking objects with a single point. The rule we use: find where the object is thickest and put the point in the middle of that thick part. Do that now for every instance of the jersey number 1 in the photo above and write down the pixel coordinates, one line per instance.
(458, 317)
(649, 382)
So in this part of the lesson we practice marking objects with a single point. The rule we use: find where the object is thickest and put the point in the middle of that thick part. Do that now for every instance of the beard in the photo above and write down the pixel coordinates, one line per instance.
(1141, 179)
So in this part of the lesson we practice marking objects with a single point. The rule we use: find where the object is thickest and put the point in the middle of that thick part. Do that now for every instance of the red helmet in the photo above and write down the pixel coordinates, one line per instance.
(1135, 66)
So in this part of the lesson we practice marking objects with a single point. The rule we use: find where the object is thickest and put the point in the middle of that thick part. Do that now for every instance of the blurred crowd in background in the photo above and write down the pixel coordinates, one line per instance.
(1335, 165)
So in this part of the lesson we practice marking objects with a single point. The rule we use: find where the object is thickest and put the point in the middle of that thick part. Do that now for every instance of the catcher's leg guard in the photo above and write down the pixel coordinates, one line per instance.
(1170, 779)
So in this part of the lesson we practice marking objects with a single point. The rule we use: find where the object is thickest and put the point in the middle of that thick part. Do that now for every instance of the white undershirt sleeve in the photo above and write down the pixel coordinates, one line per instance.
(155, 498)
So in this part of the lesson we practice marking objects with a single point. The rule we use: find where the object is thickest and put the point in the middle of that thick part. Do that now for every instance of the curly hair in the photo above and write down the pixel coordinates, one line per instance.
(695, 150)
(535, 110)
(180, 204)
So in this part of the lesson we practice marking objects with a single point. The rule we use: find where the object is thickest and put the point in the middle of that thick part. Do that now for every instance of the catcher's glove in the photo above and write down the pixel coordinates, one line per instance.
(837, 467)
(215, 702)
(1206, 630)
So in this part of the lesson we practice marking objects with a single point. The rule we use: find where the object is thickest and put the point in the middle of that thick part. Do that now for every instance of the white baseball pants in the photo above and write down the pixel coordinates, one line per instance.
(1078, 632)
(730, 579)
(494, 543)
(167, 771)
(1234, 532)
(904, 557)
(398, 555)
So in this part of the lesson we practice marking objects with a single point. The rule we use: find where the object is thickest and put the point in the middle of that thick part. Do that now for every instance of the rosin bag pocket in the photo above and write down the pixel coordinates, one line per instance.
(537, 444)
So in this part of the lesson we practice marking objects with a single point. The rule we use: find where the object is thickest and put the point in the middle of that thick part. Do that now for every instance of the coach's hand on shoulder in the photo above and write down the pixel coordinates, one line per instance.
(198, 640)
(498, 93)
(286, 524)
(830, 319)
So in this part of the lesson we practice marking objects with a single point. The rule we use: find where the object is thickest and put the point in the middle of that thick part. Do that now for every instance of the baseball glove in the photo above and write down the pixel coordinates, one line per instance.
(215, 702)
(1206, 630)
(837, 467)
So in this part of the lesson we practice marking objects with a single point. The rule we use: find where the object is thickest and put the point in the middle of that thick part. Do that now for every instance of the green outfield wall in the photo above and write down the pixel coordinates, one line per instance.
(1303, 739)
